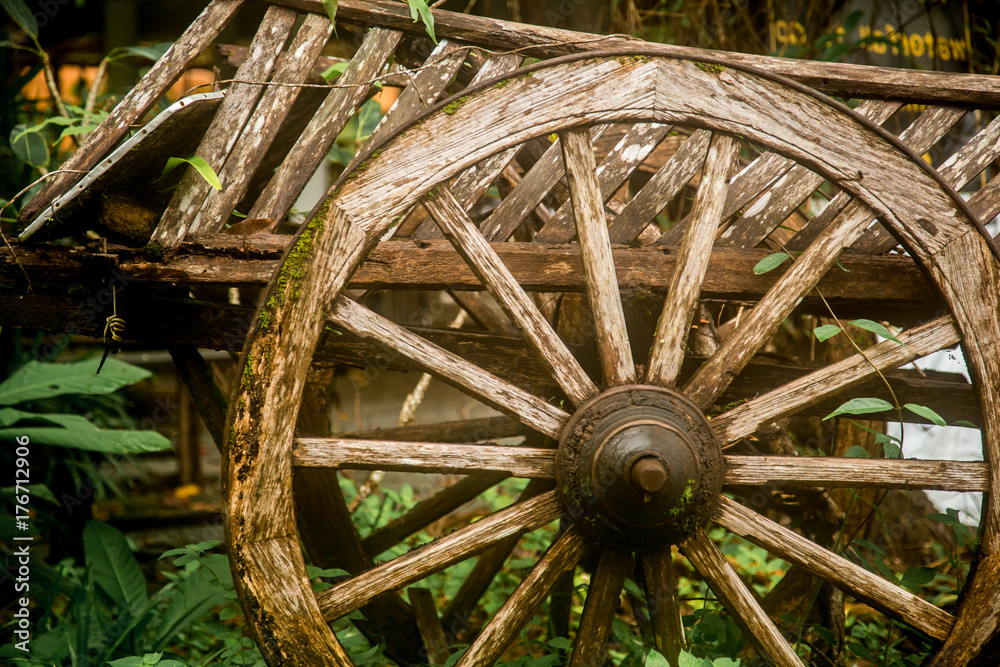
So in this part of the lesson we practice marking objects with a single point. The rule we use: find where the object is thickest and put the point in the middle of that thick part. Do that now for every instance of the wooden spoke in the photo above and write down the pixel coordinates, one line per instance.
(423, 457)
(493, 391)
(739, 601)
(435, 640)
(661, 188)
(811, 471)
(663, 602)
(715, 375)
(685, 287)
(603, 597)
(614, 170)
(810, 389)
(839, 571)
(354, 593)
(598, 263)
(427, 512)
(485, 263)
(505, 625)
(467, 430)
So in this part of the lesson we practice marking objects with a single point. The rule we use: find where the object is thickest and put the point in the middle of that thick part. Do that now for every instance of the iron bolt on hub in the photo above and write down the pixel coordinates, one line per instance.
(639, 466)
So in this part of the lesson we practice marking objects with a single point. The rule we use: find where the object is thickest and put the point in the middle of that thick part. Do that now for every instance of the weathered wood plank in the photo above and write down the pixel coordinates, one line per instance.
(493, 391)
(207, 397)
(855, 473)
(437, 555)
(468, 430)
(603, 597)
(227, 126)
(738, 600)
(425, 611)
(137, 103)
(313, 144)
(662, 599)
(685, 286)
(598, 264)
(424, 457)
(840, 572)
(505, 625)
(523, 312)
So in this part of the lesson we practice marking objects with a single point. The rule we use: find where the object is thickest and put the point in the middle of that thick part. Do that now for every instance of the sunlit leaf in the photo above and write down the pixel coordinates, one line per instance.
(199, 164)
(419, 7)
(770, 263)
(926, 413)
(861, 406)
(875, 328)
(826, 331)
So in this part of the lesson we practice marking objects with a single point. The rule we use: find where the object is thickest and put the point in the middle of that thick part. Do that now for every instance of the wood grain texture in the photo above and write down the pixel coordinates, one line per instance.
(978, 619)
(808, 471)
(313, 144)
(738, 600)
(745, 419)
(424, 457)
(530, 410)
(662, 600)
(603, 598)
(207, 397)
(437, 555)
(425, 611)
(685, 286)
(137, 102)
(840, 572)
(598, 263)
(516, 303)
(227, 126)
(505, 625)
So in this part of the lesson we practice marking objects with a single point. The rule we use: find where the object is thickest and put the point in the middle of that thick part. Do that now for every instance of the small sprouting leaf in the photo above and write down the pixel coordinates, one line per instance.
(875, 328)
(770, 263)
(29, 146)
(200, 165)
(331, 10)
(826, 331)
(965, 423)
(153, 53)
(861, 406)
(915, 577)
(857, 452)
(334, 71)
(419, 7)
(22, 16)
(926, 413)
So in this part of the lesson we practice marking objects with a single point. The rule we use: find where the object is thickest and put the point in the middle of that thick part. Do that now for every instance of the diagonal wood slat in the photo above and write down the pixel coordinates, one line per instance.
(603, 597)
(663, 602)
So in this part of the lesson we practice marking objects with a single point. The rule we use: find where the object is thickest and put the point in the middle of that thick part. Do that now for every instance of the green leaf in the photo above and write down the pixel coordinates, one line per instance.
(916, 577)
(74, 130)
(37, 380)
(826, 331)
(857, 452)
(420, 7)
(868, 544)
(926, 413)
(860, 651)
(39, 491)
(29, 146)
(334, 71)
(770, 263)
(685, 659)
(656, 659)
(861, 406)
(108, 441)
(965, 423)
(22, 16)
(113, 566)
(331, 10)
(561, 643)
(200, 165)
(153, 53)
(875, 328)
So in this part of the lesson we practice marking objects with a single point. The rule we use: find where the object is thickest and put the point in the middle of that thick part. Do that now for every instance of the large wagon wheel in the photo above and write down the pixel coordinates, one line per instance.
(639, 465)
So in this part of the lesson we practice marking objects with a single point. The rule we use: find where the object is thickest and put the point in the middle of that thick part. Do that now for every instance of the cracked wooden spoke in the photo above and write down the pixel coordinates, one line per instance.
(598, 263)
(739, 601)
(663, 602)
(423, 457)
(425, 560)
(685, 287)
(599, 610)
(828, 471)
(503, 628)
(745, 419)
(498, 394)
(485, 263)
(840, 572)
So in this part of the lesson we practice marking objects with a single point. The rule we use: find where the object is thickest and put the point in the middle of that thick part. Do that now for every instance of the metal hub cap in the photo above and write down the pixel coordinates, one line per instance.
(639, 466)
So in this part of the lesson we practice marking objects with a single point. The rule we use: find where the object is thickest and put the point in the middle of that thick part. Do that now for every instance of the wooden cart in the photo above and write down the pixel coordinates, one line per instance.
(635, 447)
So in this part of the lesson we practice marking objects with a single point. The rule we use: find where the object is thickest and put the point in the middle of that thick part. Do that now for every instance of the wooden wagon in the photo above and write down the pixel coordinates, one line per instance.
(641, 422)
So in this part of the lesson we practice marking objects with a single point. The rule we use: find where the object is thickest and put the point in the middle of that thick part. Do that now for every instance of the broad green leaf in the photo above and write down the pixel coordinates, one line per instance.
(420, 7)
(561, 643)
(875, 328)
(916, 577)
(29, 146)
(22, 16)
(334, 71)
(37, 380)
(868, 544)
(826, 331)
(861, 406)
(856, 452)
(725, 662)
(199, 164)
(770, 263)
(39, 491)
(860, 651)
(926, 413)
(195, 596)
(11, 416)
(108, 441)
(153, 53)
(331, 10)
(75, 130)
(656, 659)
(113, 566)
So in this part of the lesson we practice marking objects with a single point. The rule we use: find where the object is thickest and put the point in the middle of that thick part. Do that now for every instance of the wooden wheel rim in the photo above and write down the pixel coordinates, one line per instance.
(926, 216)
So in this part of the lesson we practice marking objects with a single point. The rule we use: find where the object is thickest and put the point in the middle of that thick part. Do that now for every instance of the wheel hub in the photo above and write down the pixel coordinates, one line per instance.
(639, 466)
